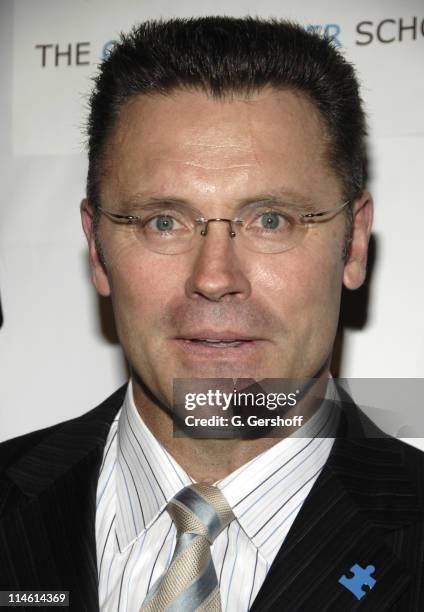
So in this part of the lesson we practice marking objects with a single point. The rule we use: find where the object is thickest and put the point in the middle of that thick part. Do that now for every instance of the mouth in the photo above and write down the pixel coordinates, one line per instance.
(221, 344)
(217, 338)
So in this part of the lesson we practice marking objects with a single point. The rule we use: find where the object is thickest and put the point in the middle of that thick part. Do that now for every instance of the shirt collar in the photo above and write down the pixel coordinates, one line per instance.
(147, 476)
(258, 489)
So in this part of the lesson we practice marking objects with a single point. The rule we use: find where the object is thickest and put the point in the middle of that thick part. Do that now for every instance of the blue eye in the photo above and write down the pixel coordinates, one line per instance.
(163, 223)
(270, 220)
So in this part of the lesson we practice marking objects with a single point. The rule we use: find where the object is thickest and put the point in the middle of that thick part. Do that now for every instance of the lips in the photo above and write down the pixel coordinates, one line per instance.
(218, 343)
(206, 342)
(219, 339)
(225, 335)
(211, 347)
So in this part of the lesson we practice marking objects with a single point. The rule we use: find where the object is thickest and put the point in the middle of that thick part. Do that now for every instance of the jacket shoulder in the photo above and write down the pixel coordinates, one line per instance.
(14, 449)
(414, 463)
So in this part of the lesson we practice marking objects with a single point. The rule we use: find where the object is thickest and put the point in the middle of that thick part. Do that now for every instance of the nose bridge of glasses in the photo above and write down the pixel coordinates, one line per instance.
(230, 222)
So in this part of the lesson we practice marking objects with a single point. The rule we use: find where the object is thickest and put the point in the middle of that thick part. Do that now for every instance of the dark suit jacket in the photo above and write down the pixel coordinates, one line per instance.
(366, 507)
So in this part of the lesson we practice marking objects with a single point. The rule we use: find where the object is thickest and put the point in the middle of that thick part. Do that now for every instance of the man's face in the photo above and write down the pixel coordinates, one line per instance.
(268, 315)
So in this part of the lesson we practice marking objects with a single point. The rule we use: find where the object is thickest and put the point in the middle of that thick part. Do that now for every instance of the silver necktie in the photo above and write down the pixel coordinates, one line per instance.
(200, 512)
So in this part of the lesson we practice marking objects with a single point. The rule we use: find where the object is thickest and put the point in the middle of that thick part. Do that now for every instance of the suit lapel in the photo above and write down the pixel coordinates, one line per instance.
(49, 541)
(349, 517)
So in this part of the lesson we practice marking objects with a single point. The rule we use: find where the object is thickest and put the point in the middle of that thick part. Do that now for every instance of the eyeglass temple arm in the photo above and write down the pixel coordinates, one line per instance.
(325, 212)
(112, 215)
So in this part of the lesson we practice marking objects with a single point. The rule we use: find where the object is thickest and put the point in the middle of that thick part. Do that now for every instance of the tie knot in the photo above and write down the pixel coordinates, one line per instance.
(200, 509)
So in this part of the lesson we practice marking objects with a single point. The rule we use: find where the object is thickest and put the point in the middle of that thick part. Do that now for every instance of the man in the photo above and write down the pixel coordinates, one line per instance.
(225, 210)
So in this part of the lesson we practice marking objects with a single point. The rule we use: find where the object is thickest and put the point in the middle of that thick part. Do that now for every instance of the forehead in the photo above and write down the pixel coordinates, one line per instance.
(190, 144)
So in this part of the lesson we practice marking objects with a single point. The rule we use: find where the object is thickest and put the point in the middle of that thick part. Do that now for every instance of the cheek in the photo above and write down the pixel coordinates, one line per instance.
(303, 284)
(142, 283)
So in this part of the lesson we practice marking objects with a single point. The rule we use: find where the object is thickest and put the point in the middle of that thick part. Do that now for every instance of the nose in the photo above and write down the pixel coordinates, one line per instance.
(217, 272)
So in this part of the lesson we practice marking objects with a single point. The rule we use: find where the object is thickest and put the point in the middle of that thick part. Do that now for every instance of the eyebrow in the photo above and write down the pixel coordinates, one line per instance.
(294, 199)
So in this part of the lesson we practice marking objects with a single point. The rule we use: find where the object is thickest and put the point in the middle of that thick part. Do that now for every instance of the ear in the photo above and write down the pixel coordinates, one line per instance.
(356, 265)
(98, 271)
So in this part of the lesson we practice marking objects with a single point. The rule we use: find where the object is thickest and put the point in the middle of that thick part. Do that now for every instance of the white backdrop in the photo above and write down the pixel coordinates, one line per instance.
(55, 360)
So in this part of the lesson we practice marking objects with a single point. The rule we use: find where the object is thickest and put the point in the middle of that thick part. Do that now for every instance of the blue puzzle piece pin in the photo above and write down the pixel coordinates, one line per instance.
(361, 577)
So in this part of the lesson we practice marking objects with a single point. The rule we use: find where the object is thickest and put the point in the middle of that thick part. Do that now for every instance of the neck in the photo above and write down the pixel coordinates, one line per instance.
(210, 460)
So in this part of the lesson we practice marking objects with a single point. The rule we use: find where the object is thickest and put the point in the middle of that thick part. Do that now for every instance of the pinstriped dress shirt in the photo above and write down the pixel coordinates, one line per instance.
(136, 537)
